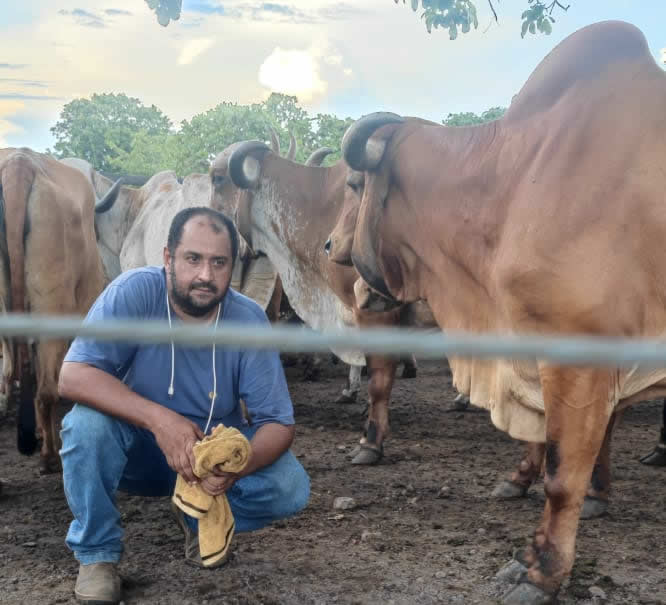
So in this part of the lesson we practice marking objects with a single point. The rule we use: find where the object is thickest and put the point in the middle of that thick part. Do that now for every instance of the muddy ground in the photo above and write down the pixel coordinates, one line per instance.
(403, 544)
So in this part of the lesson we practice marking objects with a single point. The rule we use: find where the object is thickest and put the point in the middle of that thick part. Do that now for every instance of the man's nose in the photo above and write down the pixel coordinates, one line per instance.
(205, 272)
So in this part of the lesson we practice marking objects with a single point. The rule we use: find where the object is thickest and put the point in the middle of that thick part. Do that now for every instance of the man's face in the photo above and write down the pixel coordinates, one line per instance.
(200, 269)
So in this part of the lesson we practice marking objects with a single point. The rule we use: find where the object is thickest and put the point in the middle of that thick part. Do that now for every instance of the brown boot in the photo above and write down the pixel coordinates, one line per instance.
(98, 584)
(192, 552)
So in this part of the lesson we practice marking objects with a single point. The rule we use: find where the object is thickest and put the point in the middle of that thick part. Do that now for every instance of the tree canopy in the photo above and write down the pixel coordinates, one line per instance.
(469, 119)
(103, 127)
(117, 133)
(454, 16)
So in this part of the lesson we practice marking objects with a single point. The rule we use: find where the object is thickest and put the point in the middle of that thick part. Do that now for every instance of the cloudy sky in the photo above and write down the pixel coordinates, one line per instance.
(349, 57)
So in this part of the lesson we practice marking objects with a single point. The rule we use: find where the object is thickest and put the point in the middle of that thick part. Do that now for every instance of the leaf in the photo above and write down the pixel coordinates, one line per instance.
(532, 28)
(453, 31)
(547, 27)
(524, 28)
(415, 5)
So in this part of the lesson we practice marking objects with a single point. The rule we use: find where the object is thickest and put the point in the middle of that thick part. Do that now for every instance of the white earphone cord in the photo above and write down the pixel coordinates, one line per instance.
(173, 363)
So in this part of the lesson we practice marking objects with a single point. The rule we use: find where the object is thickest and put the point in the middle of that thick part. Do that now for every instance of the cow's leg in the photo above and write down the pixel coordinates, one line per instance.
(48, 361)
(350, 392)
(598, 492)
(409, 366)
(578, 406)
(658, 456)
(524, 476)
(382, 373)
(275, 302)
(312, 366)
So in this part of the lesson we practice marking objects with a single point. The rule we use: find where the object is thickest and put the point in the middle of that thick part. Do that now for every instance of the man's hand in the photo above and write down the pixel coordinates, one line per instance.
(175, 436)
(219, 482)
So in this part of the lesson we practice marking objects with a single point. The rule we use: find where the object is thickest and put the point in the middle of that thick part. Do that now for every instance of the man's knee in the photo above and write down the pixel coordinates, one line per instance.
(292, 490)
(84, 426)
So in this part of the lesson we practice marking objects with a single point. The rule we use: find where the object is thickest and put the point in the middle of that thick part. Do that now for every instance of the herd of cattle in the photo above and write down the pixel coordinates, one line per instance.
(549, 220)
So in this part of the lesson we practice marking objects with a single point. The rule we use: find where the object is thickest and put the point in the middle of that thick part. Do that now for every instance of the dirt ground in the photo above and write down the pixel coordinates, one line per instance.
(406, 542)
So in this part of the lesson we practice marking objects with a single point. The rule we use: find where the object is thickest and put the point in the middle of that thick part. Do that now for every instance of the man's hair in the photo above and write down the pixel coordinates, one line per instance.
(217, 219)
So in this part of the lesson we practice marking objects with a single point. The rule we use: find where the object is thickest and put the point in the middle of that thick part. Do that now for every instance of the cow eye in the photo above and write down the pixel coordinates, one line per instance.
(218, 180)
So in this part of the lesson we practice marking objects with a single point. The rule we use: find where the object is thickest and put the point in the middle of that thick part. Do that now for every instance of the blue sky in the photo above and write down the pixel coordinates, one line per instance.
(342, 57)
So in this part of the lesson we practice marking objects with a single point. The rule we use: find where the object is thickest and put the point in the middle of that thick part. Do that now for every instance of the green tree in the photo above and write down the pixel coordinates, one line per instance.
(455, 16)
(469, 118)
(149, 154)
(459, 16)
(165, 10)
(329, 130)
(100, 128)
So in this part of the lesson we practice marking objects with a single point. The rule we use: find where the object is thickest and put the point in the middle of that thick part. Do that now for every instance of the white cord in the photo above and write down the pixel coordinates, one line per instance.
(212, 399)
(173, 356)
(173, 362)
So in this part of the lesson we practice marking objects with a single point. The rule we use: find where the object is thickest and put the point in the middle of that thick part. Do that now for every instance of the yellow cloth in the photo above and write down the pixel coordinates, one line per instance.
(230, 450)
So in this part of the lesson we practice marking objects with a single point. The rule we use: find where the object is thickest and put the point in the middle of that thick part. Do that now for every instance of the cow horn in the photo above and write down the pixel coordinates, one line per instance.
(244, 168)
(317, 156)
(291, 152)
(275, 141)
(360, 153)
(106, 203)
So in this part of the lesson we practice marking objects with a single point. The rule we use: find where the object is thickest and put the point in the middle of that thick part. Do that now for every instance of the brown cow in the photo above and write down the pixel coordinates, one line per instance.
(530, 468)
(549, 220)
(286, 210)
(49, 263)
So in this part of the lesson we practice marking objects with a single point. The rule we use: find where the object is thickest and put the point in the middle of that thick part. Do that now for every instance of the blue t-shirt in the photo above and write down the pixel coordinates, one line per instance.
(255, 376)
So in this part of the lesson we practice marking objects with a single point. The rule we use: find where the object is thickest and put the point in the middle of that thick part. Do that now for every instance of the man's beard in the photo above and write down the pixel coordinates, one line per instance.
(183, 299)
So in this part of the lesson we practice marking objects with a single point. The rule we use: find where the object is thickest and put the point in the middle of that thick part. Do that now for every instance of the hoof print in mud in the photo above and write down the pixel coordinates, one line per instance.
(526, 594)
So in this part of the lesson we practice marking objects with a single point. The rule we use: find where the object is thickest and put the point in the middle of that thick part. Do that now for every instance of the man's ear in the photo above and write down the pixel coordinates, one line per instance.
(166, 255)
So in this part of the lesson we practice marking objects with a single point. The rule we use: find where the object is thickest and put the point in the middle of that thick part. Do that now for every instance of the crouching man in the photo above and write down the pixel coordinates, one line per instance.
(141, 408)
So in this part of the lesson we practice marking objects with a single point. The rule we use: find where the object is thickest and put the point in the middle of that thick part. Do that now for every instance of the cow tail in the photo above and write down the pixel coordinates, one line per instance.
(16, 177)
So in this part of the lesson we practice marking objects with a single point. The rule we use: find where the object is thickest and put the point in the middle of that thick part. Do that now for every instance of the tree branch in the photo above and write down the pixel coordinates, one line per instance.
(492, 8)
(557, 3)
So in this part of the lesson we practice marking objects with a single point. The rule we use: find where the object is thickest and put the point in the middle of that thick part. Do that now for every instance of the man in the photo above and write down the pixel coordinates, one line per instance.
(142, 407)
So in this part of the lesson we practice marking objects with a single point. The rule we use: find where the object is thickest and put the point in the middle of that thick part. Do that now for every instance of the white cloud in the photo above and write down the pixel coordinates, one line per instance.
(193, 48)
(294, 72)
(309, 74)
(9, 108)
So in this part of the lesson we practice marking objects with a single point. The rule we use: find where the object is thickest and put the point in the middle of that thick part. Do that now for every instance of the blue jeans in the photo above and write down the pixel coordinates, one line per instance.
(101, 454)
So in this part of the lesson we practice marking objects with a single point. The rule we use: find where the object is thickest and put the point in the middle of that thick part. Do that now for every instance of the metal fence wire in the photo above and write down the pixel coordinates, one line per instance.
(428, 344)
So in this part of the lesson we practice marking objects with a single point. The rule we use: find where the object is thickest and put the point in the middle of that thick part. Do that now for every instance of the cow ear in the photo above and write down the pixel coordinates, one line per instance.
(251, 169)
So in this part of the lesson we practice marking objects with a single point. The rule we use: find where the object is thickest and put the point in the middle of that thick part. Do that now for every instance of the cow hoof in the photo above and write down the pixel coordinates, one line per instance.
(526, 594)
(593, 508)
(49, 466)
(367, 455)
(512, 573)
(508, 490)
(657, 457)
(408, 372)
(347, 397)
(460, 404)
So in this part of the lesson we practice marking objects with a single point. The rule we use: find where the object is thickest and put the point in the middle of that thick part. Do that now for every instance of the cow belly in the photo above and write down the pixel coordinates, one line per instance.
(511, 391)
